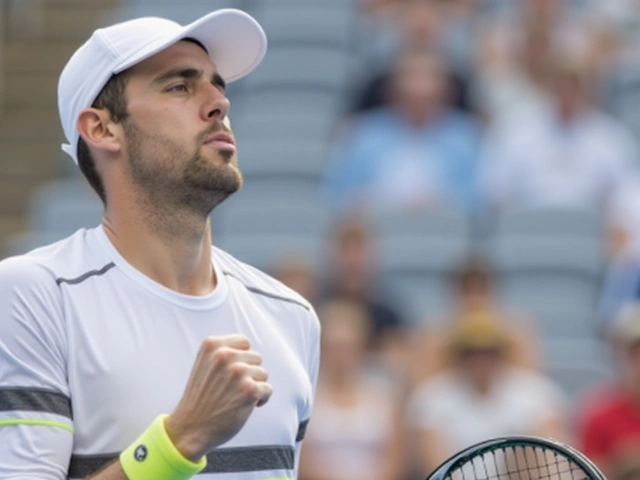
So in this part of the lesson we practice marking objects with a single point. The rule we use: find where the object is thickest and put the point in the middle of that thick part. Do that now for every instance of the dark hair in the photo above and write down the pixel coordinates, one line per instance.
(113, 98)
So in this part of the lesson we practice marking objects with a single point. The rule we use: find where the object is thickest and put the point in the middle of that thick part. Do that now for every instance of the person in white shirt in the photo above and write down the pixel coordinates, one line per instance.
(357, 431)
(571, 154)
(137, 350)
(480, 395)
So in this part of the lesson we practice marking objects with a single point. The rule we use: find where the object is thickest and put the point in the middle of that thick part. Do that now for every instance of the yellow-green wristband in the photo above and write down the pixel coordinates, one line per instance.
(154, 456)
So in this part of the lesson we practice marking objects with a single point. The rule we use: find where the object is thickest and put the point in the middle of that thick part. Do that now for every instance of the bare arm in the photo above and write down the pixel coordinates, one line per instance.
(395, 457)
(432, 450)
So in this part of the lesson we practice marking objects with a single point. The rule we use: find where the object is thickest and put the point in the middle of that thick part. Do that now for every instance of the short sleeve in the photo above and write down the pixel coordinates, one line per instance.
(313, 345)
(36, 427)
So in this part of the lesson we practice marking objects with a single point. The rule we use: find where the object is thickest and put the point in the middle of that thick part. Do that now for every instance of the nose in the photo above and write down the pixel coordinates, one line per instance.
(216, 105)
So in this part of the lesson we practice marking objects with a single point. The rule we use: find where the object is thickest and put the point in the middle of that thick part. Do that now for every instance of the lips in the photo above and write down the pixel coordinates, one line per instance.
(221, 141)
(221, 138)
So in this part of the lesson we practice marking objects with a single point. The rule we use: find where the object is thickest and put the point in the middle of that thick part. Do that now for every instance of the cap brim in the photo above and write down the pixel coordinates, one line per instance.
(235, 42)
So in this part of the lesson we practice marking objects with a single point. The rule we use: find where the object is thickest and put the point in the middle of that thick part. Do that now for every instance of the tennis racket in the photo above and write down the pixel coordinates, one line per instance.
(518, 458)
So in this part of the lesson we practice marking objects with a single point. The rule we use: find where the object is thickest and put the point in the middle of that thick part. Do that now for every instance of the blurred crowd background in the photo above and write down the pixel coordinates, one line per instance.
(452, 183)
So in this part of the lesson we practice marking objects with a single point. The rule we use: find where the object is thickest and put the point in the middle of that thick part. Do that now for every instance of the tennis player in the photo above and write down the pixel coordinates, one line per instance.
(137, 350)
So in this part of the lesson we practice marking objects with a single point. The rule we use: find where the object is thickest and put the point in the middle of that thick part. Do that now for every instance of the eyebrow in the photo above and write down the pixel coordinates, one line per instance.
(189, 74)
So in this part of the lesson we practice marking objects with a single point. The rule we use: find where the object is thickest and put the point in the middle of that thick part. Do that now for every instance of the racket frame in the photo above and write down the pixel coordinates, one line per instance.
(474, 451)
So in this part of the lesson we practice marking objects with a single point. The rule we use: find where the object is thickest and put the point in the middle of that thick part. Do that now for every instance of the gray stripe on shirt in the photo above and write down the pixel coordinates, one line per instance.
(84, 276)
(35, 400)
(222, 460)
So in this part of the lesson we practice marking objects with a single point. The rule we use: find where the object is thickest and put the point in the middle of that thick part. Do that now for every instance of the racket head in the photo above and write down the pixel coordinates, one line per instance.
(518, 458)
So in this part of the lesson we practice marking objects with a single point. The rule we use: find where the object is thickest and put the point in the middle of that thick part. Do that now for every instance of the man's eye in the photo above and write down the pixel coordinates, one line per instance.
(178, 88)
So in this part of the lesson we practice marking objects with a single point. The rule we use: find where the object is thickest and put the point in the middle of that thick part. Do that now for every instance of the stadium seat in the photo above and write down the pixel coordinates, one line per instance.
(293, 158)
(302, 66)
(577, 364)
(295, 124)
(64, 206)
(182, 12)
(316, 103)
(272, 206)
(418, 251)
(550, 264)
(309, 23)
(549, 221)
(265, 250)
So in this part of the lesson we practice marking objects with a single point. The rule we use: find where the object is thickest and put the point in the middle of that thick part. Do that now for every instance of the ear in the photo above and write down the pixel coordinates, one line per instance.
(98, 130)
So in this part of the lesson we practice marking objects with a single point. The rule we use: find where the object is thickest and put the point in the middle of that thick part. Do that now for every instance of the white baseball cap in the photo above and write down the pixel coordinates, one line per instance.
(235, 42)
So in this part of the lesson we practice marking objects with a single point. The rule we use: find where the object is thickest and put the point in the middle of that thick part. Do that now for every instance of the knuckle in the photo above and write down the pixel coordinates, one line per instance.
(224, 355)
(237, 370)
(211, 343)
(249, 388)
(262, 374)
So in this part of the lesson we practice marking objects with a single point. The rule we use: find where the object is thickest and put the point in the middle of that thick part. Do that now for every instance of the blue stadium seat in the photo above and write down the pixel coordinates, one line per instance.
(302, 66)
(418, 251)
(274, 211)
(296, 124)
(578, 364)
(64, 206)
(182, 12)
(309, 23)
(549, 221)
(283, 157)
(550, 264)
(264, 250)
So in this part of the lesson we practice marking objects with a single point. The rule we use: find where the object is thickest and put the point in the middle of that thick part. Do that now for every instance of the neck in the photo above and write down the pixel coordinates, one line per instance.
(169, 245)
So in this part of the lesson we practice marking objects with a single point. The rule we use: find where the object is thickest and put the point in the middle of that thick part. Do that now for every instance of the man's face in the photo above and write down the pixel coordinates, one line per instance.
(178, 140)
(418, 88)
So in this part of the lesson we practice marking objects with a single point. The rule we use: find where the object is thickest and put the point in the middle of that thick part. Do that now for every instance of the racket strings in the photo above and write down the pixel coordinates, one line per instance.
(519, 463)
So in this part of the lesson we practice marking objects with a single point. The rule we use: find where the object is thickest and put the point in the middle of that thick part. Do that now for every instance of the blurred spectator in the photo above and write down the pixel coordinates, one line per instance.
(297, 273)
(475, 295)
(480, 395)
(446, 29)
(356, 432)
(571, 154)
(516, 45)
(609, 421)
(621, 283)
(622, 52)
(414, 152)
(352, 275)
(627, 469)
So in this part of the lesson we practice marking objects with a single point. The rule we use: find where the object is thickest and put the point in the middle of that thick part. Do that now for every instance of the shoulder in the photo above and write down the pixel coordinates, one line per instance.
(25, 272)
(258, 282)
(64, 260)
(533, 385)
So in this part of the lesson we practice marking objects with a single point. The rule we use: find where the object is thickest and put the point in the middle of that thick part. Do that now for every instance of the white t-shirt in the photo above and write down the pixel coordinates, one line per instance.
(536, 161)
(349, 442)
(520, 401)
(92, 350)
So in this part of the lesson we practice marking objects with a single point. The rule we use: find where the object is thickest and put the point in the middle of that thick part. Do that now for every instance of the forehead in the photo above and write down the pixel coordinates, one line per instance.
(183, 53)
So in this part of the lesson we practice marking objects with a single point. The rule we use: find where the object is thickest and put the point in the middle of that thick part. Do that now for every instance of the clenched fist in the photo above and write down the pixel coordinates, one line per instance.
(227, 382)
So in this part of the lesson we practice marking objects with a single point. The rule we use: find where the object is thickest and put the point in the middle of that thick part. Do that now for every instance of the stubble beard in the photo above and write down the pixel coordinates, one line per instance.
(172, 184)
